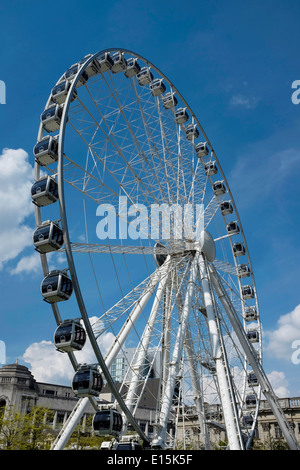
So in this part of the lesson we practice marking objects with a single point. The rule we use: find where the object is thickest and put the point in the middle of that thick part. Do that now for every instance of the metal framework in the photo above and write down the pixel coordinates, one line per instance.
(129, 144)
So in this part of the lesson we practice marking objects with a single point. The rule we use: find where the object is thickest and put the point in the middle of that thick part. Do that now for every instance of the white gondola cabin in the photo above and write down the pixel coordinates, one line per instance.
(238, 249)
(202, 149)
(253, 335)
(243, 270)
(219, 188)
(69, 336)
(118, 62)
(71, 73)
(169, 100)
(44, 191)
(232, 228)
(157, 87)
(211, 168)
(56, 287)
(60, 92)
(251, 401)
(46, 150)
(226, 208)
(107, 422)
(132, 67)
(250, 314)
(252, 379)
(48, 237)
(191, 132)
(87, 381)
(247, 292)
(93, 67)
(104, 61)
(181, 115)
(51, 117)
(248, 421)
(144, 76)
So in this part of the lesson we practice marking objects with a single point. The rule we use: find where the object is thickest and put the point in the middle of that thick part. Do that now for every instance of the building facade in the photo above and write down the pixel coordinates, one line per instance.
(19, 389)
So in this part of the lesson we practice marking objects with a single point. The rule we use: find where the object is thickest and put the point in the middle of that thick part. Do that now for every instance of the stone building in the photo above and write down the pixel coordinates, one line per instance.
(19, 389)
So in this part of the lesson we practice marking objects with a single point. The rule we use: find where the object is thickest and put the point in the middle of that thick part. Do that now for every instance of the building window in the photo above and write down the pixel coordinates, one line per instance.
(278, 432)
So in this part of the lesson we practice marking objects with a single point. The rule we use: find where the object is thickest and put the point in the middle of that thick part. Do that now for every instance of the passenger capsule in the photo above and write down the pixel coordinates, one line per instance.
(56, 287)
(247, 292)
(232, 228)
(60, 92)
(211, 168)
(69, 336)
(87, 381)
(251, 400)
(248, 421)
(71, 73)
(181, 115)
(202, 149)
(252, 379)
(169, 100)
(191, 132)
(144, 77)
(157, 87)
(250, 314)
(93, 67)
(107, 422)
(51, 118)
(219, 188)
(118, 62)
(104, 61)
(48, 237)
(243, 270)
(253, 336)
(226, 208)
(238, 249)
(132, 67)
(46, 151)
(44, 191)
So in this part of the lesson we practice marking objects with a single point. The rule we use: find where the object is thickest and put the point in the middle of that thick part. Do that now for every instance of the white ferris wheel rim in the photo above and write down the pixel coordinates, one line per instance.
(67, 242)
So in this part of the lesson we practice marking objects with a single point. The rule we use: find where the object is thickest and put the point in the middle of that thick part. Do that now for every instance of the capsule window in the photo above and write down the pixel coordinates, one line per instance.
(226, 208)
(243, 270)
(104, 61)
(46, 151)
(247, 292)
(51, 118)
(219, 188)
(119, 62)
(233, 228)
(250, 314)
(181, 115)
(191, 132)
(87, 381)
(132, 67)
(144, 76)
(60, 92)
(211, 168)
(157, 87)
(44, 191)
(202, 149)
(169, 100)
(56, 287)
(238, 249)
(107, 422)
(72, 72)
(48, 237)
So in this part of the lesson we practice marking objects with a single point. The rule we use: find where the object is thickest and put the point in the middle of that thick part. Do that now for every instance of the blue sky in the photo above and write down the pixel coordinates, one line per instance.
(234, 62)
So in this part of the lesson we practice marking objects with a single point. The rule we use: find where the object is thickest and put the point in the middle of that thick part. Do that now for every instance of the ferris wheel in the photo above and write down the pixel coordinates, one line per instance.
(129, 188)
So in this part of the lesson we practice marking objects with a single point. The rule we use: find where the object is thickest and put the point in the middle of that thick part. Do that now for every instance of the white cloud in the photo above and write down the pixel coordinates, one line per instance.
(279, 384)
(16, 176)
(279, 341)
(51, 366)
(28, 264)
(243, 101)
